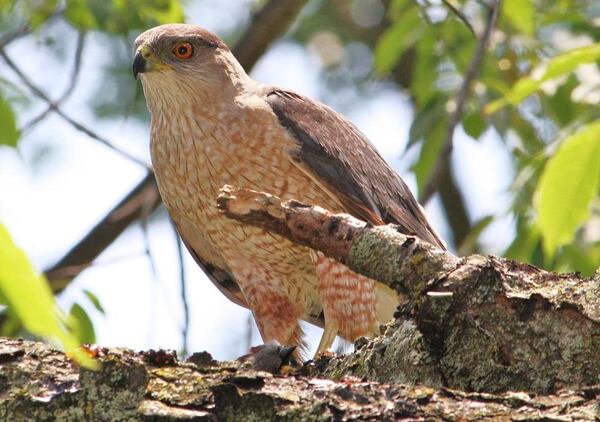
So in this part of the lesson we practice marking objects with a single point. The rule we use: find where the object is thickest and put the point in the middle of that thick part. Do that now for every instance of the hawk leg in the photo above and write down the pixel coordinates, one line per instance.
(349, 302)
(270, 299)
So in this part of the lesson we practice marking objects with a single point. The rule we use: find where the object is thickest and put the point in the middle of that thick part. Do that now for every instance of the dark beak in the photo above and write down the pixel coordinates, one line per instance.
(139, 64)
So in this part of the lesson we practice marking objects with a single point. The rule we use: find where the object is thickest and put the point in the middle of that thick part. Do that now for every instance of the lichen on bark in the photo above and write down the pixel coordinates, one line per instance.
(42, 384)
(486, 323)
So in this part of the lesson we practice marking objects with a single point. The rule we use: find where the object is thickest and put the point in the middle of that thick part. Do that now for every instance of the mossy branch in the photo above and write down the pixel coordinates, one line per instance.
(480, 323)
(39, 383)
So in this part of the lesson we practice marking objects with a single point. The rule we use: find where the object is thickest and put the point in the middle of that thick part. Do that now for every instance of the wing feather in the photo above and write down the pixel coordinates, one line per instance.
(333, 150)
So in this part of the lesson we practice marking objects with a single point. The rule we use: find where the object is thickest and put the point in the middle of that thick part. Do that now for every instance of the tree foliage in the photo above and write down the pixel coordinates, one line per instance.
(29, 300)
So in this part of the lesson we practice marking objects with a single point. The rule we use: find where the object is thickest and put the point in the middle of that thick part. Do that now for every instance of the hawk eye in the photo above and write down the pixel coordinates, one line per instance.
(183, 50)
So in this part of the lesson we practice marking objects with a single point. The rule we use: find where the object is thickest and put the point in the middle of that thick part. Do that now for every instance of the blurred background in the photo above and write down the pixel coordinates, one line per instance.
(488, 110)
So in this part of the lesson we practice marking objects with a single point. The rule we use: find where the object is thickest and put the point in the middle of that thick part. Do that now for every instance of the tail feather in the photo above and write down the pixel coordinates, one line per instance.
(387, 302)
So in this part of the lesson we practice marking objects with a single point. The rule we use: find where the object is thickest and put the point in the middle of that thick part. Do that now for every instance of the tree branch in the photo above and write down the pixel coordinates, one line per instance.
(478, 322)
(40, 383)
(68, 90)
(183, 286)
(460, 15)
(440, 169)
(268, 23)
(11, 36)
(340, 236)
(35, 90)
(137, 204)
(455, 209)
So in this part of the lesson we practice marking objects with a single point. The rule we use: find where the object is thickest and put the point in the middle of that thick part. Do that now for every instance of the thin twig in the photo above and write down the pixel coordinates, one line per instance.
(182, 283)
(460, 15)
(441, 166)
(147, 251)
(24, 29)
(249, 326)
(80, 127)
(68, 90)
(11, 36)
(129, 210)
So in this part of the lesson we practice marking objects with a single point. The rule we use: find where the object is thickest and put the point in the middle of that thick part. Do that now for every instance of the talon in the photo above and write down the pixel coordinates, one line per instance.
(324, 354)
(327, 339)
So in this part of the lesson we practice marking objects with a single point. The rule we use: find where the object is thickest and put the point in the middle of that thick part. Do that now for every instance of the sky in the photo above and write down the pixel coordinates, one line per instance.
(49, 203)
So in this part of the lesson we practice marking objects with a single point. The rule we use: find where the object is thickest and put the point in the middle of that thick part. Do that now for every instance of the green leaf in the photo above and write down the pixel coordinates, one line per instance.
(430, 152)
(404, 33)
(474, 125)
(576, 258)
(95, 301)
(397, 8)
(425, 73)
(28, 296)
(122, 16)
(521, 14)
(560, 65)
(78, 13)
(425, 119)
(81, 324)
(560, 106)
(525, 246)
(567, 187)
(469, 245)
(40, 11)
(163, 11)
(9, 134)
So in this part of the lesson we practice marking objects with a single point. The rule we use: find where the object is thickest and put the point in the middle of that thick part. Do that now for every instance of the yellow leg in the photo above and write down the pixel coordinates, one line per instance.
(327, 339)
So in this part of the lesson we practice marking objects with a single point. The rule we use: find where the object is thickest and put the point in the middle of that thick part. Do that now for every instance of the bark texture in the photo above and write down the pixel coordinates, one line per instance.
(479, 323)
(42, 384)
(479, 338)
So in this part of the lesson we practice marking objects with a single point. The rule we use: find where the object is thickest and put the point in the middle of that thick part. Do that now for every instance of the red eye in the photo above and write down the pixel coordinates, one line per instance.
(183, 50)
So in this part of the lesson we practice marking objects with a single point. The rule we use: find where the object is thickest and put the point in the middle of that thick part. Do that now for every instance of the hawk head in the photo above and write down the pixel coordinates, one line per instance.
(176, 59)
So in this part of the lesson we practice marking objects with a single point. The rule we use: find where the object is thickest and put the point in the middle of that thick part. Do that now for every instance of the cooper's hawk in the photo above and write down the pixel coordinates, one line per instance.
(212, 125)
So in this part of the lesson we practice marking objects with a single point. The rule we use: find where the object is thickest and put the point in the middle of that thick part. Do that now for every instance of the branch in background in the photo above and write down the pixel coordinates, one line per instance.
(68, 90)
(454, 206)
(441, 167)
(269, 22)
(137, 204)
(185, 330)
(11, 36)
(147, 251)
(24, 29)
(108, 229)
(460, 15)
(35, 90)
(488, 313)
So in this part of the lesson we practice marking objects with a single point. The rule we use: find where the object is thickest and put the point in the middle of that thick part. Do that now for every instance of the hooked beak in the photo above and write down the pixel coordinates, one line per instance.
(139, 64)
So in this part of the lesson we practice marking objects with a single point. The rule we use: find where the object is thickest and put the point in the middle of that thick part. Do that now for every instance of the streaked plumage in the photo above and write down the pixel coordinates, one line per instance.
(212, 125)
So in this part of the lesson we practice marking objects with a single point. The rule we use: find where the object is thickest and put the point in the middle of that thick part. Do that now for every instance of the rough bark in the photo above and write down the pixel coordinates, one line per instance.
(42, 384)
(479, 323)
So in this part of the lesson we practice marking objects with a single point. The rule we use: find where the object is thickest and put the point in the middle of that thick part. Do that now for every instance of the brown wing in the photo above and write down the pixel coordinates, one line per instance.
(338, 154)
(220, 278)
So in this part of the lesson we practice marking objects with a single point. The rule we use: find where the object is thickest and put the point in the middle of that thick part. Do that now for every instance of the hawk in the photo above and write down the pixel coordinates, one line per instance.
(212, 125)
